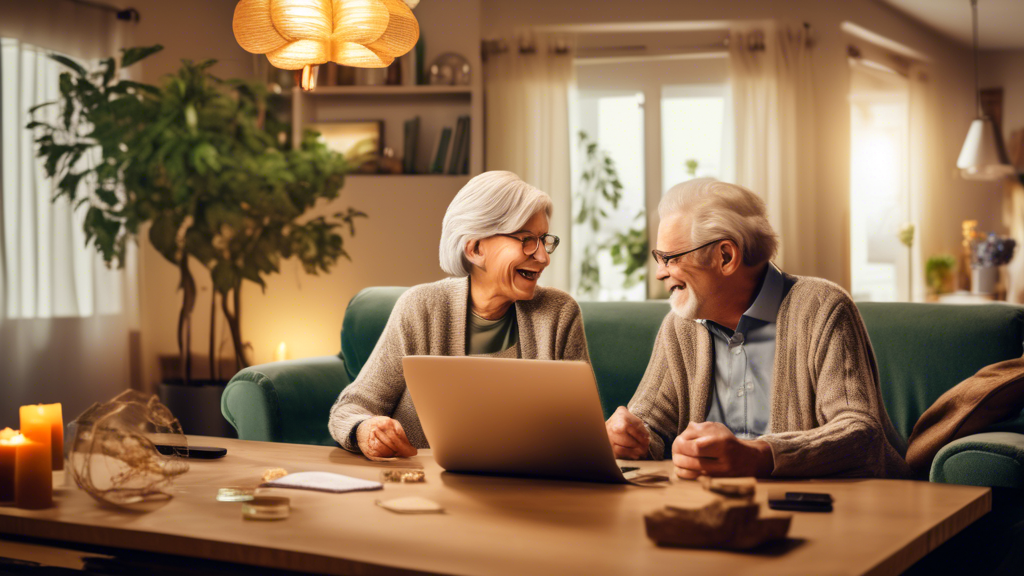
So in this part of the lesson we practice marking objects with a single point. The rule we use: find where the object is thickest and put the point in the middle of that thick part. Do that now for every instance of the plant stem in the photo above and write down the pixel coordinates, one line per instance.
(188, 302)
(213, 334)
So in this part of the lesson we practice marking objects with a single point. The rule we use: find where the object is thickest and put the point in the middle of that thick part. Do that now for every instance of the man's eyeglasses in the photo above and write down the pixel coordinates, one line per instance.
(663, 259)
(531, 243)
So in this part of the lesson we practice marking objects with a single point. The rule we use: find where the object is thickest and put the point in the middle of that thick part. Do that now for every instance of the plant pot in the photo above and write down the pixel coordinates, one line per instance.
(984, 279)
(197, 407)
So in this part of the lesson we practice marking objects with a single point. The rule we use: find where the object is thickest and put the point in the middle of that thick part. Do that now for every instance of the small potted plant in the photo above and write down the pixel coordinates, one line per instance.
(205, 164)
(987, 255)
(938, 270)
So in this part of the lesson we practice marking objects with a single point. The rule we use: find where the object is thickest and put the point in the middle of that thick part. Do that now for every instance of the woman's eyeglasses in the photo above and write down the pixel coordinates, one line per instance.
(531, 243)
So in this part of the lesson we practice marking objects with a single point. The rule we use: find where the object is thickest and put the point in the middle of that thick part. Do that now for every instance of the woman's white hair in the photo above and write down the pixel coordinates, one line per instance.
(723, 210)
(495, 202)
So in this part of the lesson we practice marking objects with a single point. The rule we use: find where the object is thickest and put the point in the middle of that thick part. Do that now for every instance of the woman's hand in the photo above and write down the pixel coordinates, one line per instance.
(628, 435)
(383, 437)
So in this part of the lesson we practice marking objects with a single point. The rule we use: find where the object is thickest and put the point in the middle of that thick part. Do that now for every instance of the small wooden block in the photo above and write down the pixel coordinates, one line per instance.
(730, 487)
(725, 523)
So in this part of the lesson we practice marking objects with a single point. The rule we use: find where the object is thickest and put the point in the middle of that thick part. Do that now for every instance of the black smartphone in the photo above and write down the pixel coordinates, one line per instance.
(200, 452)
(802, 502)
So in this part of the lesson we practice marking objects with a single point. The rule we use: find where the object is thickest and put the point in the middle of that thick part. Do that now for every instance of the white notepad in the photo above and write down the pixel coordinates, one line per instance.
(324, 482)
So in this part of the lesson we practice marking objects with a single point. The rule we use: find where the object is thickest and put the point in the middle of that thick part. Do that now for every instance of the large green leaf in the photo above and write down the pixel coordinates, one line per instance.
(70, 64)
(132, 55)
(163, 234)
(225, 277)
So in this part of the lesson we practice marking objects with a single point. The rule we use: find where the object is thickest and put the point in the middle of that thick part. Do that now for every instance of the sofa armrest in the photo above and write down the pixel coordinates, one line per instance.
(287, 401)
(986, 459)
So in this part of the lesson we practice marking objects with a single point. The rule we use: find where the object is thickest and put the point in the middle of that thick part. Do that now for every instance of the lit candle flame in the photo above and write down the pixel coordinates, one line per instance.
(15, 440)
(281, 353)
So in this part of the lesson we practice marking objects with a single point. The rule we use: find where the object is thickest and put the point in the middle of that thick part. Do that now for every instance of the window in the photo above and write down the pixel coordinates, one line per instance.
(47, 269)
(692, 133)
(879, 124)
(658, 122)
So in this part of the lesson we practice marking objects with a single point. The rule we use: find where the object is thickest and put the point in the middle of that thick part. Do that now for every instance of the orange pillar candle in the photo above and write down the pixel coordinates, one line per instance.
(33, 474)
(7, 454)
(51, 415)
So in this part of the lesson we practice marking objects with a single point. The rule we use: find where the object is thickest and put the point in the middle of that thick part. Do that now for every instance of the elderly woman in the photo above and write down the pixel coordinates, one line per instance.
(495, 245)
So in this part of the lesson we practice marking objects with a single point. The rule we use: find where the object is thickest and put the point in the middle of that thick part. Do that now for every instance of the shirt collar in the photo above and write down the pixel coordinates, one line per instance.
(766, 306)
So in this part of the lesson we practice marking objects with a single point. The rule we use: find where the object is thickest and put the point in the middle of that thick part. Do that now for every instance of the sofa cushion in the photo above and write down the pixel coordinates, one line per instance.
(923, 350)
(989, 459)
(620, 339)
(995, 393)
(364, 322)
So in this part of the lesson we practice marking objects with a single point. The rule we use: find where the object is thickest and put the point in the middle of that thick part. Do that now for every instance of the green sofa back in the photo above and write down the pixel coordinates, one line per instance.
(922, 349)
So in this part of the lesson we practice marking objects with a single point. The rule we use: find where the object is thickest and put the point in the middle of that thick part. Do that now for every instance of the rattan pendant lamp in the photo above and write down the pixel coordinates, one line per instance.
(303, 34)
(982, 156)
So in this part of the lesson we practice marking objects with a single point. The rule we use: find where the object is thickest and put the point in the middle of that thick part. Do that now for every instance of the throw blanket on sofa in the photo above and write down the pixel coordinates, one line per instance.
(993, 394)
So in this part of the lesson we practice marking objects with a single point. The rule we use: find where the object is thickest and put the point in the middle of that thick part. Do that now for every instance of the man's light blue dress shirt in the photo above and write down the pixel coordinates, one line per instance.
(742, 391)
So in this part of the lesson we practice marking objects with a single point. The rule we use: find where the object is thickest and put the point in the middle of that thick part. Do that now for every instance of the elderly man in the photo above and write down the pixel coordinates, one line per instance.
(754, 372)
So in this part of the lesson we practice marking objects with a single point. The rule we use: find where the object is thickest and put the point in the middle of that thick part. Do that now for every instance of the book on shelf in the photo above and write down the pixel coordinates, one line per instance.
(412, 134)
(460, 135)
(441, 151)
(460, 149)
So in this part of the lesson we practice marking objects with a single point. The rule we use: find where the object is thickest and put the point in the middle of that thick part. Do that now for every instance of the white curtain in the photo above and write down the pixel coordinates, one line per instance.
(773, 116)
(65, 318)
(527, 84)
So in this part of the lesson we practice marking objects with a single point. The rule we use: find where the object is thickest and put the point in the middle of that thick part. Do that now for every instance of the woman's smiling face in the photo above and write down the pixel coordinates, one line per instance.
(507, 270)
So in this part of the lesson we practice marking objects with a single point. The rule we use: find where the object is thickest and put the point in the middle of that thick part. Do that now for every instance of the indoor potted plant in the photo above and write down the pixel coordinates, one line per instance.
(203, 162)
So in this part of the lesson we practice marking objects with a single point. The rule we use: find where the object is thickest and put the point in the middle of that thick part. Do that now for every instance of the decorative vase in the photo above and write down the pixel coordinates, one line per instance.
(984, 279)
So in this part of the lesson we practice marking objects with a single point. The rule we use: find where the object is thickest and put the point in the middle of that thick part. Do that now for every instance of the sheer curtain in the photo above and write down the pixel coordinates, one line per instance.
(527, 84)
(773, 115)
(65, 318)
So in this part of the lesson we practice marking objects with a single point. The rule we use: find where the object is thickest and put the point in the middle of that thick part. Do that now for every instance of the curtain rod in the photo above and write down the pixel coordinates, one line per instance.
(129, 14)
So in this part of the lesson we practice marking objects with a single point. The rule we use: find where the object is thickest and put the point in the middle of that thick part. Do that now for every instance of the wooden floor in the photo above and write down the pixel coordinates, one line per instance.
(497, 525)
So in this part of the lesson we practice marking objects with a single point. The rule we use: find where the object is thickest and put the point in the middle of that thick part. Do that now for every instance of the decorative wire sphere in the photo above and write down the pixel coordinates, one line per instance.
(450, 69)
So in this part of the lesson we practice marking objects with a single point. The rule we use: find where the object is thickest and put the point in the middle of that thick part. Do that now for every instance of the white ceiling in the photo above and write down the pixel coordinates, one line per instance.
(1000, 22)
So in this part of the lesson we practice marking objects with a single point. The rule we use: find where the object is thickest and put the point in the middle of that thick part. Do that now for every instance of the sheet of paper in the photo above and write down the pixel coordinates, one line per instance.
(324, 482)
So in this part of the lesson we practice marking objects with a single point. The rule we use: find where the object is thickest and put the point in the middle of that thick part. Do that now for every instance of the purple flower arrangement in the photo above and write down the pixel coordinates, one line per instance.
(992, 251)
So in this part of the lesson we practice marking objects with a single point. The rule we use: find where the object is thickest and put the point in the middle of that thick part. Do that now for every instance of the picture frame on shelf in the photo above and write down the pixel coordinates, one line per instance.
(360, 141)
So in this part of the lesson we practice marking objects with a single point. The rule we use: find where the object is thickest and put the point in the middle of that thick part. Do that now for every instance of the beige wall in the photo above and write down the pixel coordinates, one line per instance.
(952, 199)
(1005, 69)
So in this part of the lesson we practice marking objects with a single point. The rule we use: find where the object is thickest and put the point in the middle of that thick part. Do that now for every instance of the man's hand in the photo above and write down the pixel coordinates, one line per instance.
(628, 435)
(383, 437)
(710, 449)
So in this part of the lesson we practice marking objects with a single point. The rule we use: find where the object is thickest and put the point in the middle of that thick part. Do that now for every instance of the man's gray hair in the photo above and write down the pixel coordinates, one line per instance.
(495, 202)
(723, 210)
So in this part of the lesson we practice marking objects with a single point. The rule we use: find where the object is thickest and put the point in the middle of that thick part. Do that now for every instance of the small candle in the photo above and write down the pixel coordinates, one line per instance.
(8, 450)
(33, 473)
(52, 426)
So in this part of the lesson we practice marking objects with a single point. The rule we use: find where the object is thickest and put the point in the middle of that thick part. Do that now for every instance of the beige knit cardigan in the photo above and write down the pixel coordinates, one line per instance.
(430, 319)
(827, 416)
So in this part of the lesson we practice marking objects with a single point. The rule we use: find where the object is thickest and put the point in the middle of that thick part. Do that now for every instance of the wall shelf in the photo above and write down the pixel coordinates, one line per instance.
(325, 91)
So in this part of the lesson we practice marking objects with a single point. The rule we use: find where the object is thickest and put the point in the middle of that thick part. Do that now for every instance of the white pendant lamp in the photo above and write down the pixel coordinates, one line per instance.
(983, 156)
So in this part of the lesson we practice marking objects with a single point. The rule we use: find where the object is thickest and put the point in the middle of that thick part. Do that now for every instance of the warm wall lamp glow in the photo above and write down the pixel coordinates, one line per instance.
(303, 34)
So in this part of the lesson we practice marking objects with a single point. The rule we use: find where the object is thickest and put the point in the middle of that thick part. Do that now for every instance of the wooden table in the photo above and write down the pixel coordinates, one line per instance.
(497, 525)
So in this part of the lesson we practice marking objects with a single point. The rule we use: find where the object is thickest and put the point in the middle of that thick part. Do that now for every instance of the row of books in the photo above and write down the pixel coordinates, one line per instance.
(451, 152)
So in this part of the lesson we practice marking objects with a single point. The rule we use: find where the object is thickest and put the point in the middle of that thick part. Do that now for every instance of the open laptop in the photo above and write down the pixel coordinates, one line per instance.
(503, 416)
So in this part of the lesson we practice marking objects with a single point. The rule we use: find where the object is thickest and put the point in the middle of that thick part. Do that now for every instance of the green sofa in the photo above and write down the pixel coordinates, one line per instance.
(922, 350)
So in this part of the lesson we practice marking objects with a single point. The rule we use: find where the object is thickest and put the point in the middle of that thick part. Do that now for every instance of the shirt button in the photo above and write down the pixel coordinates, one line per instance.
(740, 392)
(736, 350)
(750, 385)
